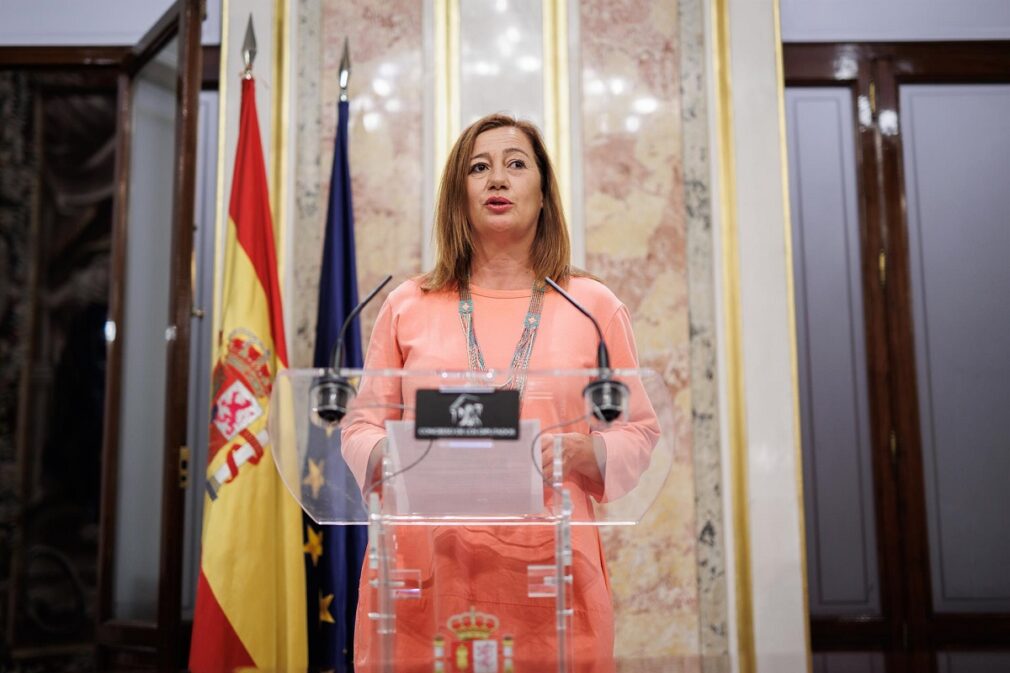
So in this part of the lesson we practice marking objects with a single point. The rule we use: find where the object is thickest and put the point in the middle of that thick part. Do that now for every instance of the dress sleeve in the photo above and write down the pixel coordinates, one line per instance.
(629, 441)
(379, 398)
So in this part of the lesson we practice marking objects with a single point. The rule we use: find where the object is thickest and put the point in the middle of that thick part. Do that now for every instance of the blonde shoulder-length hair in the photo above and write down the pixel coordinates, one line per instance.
(550, 254)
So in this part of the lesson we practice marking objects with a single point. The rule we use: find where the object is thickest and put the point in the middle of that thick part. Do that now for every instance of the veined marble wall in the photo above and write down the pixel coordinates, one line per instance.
(710, 524)
(635, 228)
(386, 104)
(645, 141)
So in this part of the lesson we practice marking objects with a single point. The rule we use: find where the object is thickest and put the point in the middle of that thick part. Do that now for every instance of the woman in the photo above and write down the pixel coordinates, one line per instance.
(500, 231)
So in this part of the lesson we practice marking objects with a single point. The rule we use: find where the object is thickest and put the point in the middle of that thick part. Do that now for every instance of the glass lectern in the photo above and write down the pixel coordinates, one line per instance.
(482, 493)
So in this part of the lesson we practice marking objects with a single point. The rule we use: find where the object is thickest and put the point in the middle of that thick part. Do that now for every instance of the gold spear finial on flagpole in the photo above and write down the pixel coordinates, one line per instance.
(249, 48)
(345, 71)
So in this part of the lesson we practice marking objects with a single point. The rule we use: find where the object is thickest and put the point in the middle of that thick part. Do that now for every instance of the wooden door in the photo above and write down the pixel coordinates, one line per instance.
(932, 217)
(144, 451)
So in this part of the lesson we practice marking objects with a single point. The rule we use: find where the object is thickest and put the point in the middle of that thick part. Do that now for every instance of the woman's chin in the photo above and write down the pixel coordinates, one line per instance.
(503, 229)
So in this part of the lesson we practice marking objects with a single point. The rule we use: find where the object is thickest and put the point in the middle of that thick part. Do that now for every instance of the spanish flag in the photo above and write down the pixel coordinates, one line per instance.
(250, 602)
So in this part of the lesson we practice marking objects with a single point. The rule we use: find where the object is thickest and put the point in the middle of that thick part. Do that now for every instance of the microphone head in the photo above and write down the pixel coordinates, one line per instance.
(607, 399)
(330, 395)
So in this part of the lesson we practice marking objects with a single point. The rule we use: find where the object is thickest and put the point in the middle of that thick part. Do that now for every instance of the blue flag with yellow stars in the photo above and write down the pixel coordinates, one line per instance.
(333, 554)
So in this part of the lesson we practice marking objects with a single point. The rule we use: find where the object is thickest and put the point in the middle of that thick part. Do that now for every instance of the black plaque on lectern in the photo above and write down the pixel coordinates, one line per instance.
(467, 413)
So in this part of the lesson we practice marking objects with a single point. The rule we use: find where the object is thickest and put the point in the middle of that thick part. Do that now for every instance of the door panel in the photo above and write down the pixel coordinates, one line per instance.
(932, 157)
(973, 662)
(150, 306)
(956, 161)
(201, 341)
(841, 530)
(848, 662)
(144, 323)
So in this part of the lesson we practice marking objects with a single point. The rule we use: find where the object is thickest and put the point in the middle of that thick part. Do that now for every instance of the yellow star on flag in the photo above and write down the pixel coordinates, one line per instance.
(324, 609)
(315, 479)
(314, 546)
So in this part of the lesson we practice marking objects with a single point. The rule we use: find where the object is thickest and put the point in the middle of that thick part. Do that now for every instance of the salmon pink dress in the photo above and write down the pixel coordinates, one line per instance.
(482, 570)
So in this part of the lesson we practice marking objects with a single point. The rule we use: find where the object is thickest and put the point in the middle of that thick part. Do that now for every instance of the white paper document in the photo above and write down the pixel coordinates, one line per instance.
(464, 477)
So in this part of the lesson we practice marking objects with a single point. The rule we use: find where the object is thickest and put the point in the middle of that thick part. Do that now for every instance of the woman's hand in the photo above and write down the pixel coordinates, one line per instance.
(579, 455)
(373, 472)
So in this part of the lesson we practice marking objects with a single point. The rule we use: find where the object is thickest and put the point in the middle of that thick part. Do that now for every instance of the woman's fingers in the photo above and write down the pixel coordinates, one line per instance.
(577, 455)
(547, 455)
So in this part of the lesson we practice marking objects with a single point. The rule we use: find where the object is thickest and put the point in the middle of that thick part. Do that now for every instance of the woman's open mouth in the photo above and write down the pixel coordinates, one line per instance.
(498, 204)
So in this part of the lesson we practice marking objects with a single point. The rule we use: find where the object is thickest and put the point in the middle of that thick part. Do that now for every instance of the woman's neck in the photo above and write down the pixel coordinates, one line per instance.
(501, 270)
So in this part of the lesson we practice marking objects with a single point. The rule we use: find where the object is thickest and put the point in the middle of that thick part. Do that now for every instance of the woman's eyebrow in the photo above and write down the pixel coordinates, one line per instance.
(510, 150)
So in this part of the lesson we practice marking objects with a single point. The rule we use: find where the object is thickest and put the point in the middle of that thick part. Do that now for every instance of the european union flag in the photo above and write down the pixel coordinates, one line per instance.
(332, 575)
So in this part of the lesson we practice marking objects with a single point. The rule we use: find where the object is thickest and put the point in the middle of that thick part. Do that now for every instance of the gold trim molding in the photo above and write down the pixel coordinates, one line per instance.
(794, 378)
(447, 106)
(557, 106)
(736, 400)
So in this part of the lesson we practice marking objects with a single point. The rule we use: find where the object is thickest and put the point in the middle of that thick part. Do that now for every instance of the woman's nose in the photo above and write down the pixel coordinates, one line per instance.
(498, 177)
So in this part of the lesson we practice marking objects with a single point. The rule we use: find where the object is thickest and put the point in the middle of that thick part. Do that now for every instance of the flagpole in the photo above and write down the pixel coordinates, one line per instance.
(335, 572)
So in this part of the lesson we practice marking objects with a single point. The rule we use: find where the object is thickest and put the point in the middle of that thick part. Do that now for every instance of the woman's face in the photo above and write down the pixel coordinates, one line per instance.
(503, 186)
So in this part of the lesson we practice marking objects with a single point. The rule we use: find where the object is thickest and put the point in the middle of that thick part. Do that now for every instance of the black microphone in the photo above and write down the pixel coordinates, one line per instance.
(331, 393)
(607, 399)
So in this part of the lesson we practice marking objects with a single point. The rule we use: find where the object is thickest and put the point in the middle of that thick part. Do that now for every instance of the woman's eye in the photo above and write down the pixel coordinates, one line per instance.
(478, 168)
(517, 163)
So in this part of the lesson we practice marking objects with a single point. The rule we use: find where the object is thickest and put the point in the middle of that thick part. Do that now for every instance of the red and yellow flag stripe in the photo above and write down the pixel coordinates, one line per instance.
(250, 608)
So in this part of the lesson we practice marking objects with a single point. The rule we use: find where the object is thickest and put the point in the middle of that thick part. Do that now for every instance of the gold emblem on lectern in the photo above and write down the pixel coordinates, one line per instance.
(473, 646)
(472, 625)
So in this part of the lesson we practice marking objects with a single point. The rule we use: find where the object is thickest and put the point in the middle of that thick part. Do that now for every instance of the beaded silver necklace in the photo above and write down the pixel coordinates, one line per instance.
(524, 349)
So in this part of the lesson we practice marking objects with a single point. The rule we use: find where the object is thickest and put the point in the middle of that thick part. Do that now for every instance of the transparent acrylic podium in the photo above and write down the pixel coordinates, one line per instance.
(483, 548)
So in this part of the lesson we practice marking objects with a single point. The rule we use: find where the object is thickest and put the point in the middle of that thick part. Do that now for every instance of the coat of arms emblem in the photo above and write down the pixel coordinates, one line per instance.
(473, 646)
(242, 381)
